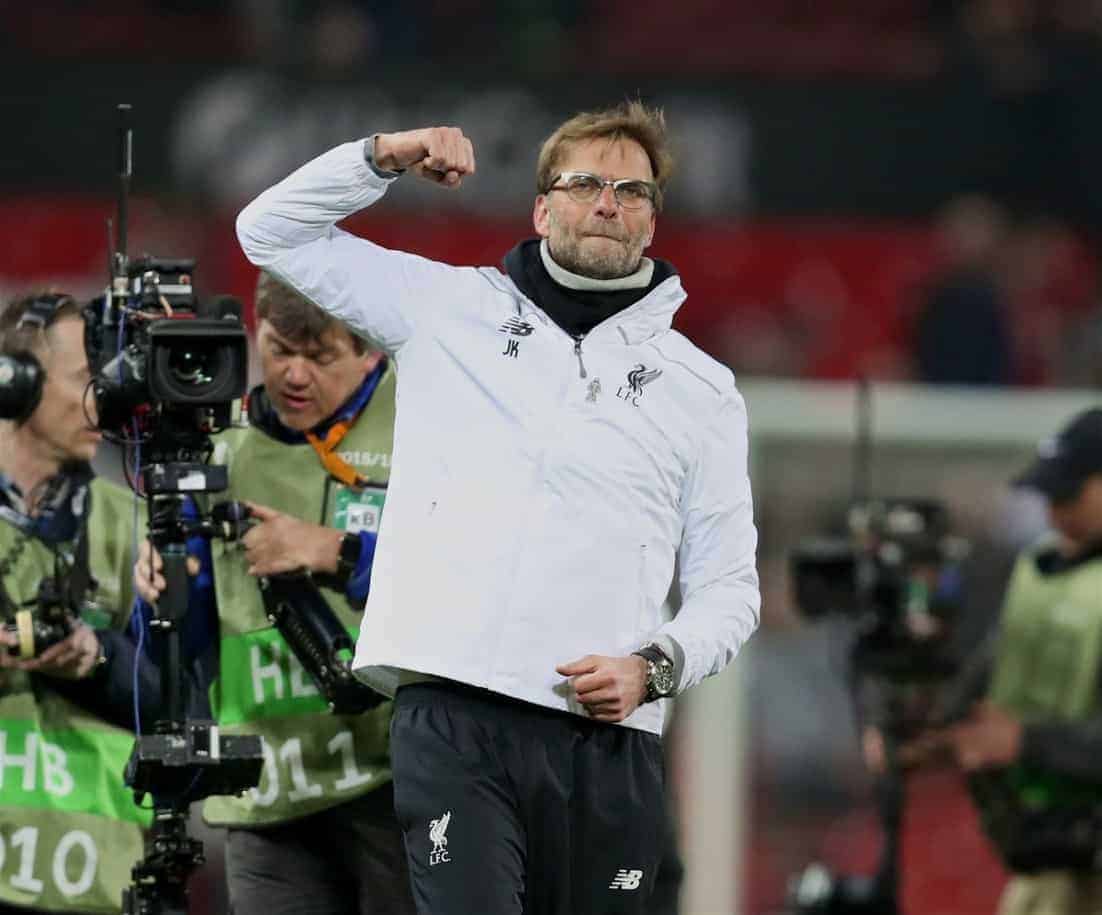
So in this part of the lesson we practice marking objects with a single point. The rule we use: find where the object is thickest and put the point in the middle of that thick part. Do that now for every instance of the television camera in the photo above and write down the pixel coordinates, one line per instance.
(168, 371)
(895, 575)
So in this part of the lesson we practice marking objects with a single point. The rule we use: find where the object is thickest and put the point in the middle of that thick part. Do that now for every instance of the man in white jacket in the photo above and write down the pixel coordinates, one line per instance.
(559, 451)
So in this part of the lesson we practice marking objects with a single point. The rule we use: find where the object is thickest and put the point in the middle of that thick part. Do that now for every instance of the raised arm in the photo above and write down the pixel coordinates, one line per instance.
(719, 580)
(290, 231)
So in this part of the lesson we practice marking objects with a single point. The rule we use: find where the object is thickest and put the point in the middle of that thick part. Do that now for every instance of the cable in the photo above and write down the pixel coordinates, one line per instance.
(137, 612)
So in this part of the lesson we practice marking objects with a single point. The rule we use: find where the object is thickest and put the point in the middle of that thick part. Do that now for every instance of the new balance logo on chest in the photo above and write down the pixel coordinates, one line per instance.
(515, 327)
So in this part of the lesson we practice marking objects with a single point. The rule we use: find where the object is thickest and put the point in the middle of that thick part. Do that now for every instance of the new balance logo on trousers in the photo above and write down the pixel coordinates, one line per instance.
(626, 880)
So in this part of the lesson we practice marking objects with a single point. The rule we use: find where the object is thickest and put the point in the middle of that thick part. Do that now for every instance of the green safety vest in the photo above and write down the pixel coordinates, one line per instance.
(69, 828)
(1047, 668)
(312, 758)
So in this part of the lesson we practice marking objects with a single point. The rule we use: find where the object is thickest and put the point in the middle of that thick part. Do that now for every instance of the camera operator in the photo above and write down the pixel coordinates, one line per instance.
(1031, 746)
(69, 829)
(320, 830)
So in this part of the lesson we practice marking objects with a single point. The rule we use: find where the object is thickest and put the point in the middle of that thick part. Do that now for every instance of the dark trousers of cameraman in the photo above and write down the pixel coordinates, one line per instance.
(348, 860)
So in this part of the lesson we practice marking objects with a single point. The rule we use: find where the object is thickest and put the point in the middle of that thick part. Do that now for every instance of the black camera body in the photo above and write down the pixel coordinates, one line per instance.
(294, 604)
(297, 608)
(194, 762)
(1064, 833)
(897, 574)
(157, 351)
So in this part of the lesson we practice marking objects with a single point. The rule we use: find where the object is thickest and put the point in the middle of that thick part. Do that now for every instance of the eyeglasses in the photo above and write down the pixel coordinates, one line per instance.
(582, 187)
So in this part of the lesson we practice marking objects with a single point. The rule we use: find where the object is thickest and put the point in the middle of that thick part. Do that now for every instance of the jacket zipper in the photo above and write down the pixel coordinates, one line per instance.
(578, 353)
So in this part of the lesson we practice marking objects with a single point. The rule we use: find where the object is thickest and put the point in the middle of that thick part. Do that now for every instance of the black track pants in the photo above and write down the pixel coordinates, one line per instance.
(511, 808)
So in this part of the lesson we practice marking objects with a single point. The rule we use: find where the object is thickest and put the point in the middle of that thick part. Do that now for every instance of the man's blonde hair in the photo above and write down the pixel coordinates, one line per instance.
(630, 120)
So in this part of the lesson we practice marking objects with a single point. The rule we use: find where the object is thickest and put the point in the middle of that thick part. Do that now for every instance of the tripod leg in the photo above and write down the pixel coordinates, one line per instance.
(890, 797)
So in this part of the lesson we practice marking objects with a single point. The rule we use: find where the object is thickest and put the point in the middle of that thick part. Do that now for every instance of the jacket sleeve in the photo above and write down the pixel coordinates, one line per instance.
(290, 231)
(110, 692)
(128, 683)
(719, 580)
(1067, 748)
(359, 582)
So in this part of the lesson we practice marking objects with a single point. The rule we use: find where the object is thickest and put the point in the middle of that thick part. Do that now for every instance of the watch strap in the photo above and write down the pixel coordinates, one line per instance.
(348, 557)
(656, 658)
(652, 652)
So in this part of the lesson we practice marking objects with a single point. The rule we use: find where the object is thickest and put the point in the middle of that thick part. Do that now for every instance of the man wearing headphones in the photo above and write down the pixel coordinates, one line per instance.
(69, 828)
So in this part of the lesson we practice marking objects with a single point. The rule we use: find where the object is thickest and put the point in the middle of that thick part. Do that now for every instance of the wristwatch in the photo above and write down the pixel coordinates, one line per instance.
(659, 672)
(100, 663)
(349, 556)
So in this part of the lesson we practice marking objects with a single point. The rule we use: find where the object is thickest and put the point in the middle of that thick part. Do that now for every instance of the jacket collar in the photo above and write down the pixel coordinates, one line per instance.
(61, 508)
(648, 317)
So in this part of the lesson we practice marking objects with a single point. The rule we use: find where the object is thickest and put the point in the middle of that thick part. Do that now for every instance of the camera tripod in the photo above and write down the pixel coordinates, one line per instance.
(183, 760)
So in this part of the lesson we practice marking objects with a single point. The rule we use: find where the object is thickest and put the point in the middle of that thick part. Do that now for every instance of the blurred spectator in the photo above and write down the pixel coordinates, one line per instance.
(1049, 281)
(998, 38)
(332, 38)
(962, 335)
(1081, 356)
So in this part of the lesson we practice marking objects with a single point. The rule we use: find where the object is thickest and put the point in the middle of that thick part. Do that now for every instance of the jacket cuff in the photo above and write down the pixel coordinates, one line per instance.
(359, 582)
(369, 158)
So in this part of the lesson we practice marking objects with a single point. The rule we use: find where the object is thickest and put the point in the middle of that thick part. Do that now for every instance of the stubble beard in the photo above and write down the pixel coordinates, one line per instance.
(615, 261)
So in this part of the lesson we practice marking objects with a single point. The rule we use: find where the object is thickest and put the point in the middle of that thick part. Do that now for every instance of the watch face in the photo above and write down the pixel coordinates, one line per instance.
(659, 678)
(663, 679)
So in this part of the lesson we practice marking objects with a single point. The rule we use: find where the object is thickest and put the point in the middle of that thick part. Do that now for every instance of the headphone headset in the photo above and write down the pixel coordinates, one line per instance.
(21, 374)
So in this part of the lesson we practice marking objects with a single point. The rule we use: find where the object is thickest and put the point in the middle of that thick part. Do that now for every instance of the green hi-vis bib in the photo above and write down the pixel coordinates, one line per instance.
(1047, 666)
(69, 828)
(312, 759)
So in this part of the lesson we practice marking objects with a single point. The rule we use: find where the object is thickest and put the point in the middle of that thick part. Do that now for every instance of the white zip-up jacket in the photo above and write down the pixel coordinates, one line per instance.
(541, 490)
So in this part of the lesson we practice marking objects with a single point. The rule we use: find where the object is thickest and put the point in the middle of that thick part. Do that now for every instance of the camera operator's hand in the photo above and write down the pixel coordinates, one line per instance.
(873, 750)
(609, 688)
(148, 580)
(931, 747)
(443, 155)
(73, 658)
(282, 543)
(989, 738)
(8, 640)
